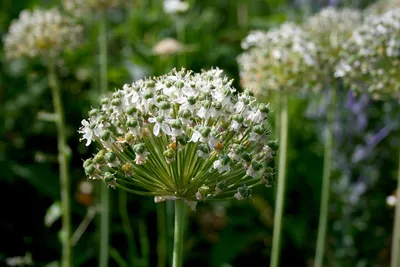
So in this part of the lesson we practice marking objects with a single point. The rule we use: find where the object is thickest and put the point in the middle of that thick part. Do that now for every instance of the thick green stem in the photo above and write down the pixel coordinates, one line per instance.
(162, 233)
(126, 224)
(323, 215)
(280, 198)
(178, 233)
(396, 227)
(63, 158)
(105, 194)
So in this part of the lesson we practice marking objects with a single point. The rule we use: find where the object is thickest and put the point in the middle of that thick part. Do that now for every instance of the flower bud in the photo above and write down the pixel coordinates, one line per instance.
(110, 156)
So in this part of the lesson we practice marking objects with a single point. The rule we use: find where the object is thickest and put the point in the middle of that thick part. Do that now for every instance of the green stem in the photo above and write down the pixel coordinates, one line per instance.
(126, 224)
(144, 242)
(63, 160)
(323, 215)
(162, 232)
(396, 227)
(178, 233)
(104, 194)
(279, 207)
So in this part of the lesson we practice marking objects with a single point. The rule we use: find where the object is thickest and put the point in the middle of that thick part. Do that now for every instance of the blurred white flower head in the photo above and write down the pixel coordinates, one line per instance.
(175, 6)
(370, 59)
(167, 47)
(329, 28)
(41, 33)
(283, 59)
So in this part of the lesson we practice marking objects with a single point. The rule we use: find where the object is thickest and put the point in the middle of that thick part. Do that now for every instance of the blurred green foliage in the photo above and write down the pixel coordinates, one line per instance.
(237, 233)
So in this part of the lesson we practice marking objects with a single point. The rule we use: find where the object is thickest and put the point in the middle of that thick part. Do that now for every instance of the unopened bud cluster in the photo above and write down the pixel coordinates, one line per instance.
(284, 59)
(41, 33)
(370, 59)
(183, 135)
(330, 28)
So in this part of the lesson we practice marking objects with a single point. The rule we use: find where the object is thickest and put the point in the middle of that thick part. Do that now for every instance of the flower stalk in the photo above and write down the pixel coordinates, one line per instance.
(162, 234)
(326, 180)
(104, 192)
(63, 160)
(396, 226)
(178, 233)
(280, 196)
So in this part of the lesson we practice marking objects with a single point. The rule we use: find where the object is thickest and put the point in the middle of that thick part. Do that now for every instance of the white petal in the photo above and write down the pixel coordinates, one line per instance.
(156, 130)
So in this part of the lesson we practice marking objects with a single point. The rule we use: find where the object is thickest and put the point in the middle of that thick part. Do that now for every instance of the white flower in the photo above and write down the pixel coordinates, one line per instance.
(221, 167)
(175, 6)
(391, 200)
(159, 124)
(141, 158)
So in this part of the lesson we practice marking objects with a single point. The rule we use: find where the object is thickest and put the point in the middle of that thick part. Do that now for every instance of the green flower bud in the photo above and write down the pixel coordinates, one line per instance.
(116, 102)
(108, 177)
(206, 104)
(263, 108)
(110, 156)
(179, 84)
(185, 114)
(221, 186)
(104, 101)
(273, 145)
(256, 165)
(165, 105)
(204, 148)
(182, 139)
(128, 137)
(259, 129)
(160, 119)
(98, 158)
(204, 190)
(217, 105)
(238, 117)
(139, 148)
(176, 124)
(169, 153)
(131, 110)
(148, 95)
(192, 100)
(205, 132)
(132, 123)
(246, 157)
(105, 135)
(224, 159)
(162, 98)
(90, 169)
(87, 162)
(93, 112)
(244, 191)
(151, 84)
(117, 94)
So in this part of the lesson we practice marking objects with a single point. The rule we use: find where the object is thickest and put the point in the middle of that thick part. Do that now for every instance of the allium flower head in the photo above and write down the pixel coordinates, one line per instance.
(181, 136)
(381, 6)
(370, 60)
(284, 59)
(330, 28)
(41, 33)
